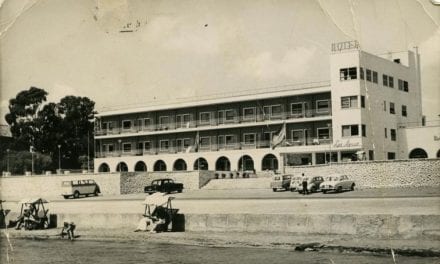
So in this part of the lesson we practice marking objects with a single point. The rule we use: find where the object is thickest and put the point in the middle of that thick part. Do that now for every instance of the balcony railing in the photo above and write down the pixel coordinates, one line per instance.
(214, 147)
(216, 122)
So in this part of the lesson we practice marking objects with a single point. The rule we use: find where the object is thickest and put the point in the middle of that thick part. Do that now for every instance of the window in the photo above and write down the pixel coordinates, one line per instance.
(297, 109)
(323, 133)
(348, 74)
(386, 133)
(107, 125)
(147, 145)
(249, 113)
(163, 122)
(390, 81)
(393, 134)
(205, 117)
(392, 111)
(362, 101)
(364, 130)
(298, 136)
(183, 121)
(229, 140)
(404, 113)
(205, 142)
(126, 147)
(182, 144)
(272, 110)
(229, 115)
(385, 80)
(369, 75)
(403, 85)
(375, 77)
(126, 124)
(350, 130)
(361, 73)
(249, 139)
(349, 102)
(164, 145)
(108, 147)
(322, 106)
(146, 123)
(385, 106)
(391, 155)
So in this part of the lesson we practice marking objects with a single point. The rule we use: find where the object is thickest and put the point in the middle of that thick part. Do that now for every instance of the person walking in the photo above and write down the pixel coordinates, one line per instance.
(304, 185)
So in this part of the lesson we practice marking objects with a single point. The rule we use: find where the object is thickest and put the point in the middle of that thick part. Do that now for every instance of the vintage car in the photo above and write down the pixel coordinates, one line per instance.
(337, 183)
(313, 184)
(164, 186)
(280, 182)
(294, 183)
(79, 187)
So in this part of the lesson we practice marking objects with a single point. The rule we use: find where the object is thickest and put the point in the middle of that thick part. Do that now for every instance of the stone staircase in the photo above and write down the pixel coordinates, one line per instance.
(240, 183)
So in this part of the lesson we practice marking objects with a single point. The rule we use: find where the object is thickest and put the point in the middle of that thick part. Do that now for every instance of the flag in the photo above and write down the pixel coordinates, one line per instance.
(196, 144)
(280, 137)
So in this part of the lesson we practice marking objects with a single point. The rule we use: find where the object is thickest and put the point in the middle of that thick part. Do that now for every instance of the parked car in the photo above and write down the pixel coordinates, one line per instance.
(313, 184)
(280, 182)
(294, 183)
(164, 186)
(79, 187)
(337, 183)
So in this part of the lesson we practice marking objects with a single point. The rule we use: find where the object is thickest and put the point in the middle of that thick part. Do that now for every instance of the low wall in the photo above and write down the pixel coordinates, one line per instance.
(399, 173)
(134, 182)
(367, 226)
(19, 187)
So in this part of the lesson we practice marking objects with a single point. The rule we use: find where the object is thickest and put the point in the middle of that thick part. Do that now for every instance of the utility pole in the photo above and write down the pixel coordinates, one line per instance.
(59, 158)
(7, 165)
(32, 155)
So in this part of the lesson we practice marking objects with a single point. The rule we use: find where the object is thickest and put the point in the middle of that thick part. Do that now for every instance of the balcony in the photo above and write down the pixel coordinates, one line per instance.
(215, 122)
(215, 147)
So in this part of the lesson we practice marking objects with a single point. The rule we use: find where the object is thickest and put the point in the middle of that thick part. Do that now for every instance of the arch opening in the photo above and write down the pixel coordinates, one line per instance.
(223, 164)
(270, 162)
(160, 165)
(122, 166)
(200, 164)
(179, 165)
(104, 168)
(246, 163)
(140, 166)
(418, 153)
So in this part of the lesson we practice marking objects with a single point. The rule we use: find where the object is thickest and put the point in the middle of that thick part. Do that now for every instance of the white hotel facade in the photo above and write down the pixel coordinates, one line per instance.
(357, 114)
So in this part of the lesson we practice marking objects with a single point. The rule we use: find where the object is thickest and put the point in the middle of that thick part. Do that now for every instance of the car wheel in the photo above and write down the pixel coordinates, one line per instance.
(179, 191)
(66, 196)
(352, 187)
(339, 189)
(313, 189)
(76, 194)
(324, 191)
(274, 189)
(292, 190)
(96, 193)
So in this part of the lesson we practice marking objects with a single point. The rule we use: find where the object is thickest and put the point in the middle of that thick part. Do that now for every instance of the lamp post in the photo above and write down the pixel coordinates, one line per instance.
(7, 164)
(32, 156)
(329, 125)
(59, 158)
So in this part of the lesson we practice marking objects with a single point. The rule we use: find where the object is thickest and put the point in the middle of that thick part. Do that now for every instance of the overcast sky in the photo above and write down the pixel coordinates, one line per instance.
(184, 48)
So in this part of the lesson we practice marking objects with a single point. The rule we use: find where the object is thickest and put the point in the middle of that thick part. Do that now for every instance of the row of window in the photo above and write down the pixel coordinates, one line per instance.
(352, 101)
(371, 76)
(353, 130)
(392, 108)
(225, 116)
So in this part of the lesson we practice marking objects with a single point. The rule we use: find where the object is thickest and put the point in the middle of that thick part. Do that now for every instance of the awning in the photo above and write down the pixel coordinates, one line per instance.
(33, 201)
(157, 199)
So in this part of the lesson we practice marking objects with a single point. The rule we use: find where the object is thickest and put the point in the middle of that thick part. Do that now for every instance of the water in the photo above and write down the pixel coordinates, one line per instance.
(50, 251)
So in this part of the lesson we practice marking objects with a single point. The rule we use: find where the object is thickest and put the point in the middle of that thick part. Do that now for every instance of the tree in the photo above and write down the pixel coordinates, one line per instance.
(21, 161)
(77, 114)
(23, 110)
(45, 126)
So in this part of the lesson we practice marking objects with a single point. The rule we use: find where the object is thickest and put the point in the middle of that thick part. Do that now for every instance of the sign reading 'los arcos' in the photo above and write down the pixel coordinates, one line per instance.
(340, 144)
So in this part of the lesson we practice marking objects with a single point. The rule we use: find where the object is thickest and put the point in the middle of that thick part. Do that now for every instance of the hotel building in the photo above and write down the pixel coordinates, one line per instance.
(354, 115)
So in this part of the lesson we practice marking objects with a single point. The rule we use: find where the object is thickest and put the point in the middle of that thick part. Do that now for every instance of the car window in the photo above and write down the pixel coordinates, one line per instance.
(67, 183)
(277, 178)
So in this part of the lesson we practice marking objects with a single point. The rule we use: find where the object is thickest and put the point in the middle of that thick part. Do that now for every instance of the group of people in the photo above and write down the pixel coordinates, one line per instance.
(26, 219)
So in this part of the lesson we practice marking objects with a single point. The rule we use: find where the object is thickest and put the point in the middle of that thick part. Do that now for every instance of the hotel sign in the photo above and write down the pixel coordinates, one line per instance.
(346, 45)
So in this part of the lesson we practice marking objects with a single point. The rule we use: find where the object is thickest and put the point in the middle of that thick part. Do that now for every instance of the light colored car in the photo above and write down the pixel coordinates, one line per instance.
(294, 183)
(79, 187)
(280, 182)
(337, 183)
(313, 184)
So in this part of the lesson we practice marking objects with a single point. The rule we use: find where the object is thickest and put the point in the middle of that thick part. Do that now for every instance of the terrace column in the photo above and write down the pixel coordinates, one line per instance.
(313, 158)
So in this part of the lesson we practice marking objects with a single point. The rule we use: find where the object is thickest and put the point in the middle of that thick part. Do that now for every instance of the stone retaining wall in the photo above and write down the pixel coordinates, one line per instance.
(399, 173)
(19, 187)
(192, 180)
(365, 225)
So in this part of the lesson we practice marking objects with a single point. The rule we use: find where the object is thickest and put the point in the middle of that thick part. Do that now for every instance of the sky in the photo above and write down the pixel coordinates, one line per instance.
(192, 48)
